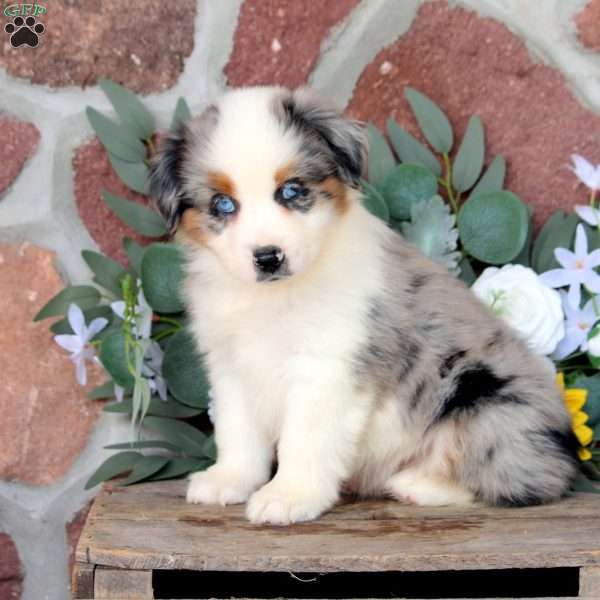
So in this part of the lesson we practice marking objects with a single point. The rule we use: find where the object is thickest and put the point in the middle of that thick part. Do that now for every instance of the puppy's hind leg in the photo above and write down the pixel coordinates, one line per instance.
(417, 487)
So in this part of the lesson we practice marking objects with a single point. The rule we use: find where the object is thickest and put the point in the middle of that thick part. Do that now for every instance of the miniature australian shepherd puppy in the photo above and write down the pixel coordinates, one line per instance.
(335, 348)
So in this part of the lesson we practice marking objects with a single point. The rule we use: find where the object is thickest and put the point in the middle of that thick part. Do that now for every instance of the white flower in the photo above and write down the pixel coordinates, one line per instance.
(152, 370)
(78, 343)
(588, 214)
(594, 345)
(578, 324)
(516, 294)
(586, 172)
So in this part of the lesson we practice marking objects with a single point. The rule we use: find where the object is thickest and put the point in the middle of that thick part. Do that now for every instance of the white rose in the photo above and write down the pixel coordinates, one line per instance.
(593, 346)
(516, 294)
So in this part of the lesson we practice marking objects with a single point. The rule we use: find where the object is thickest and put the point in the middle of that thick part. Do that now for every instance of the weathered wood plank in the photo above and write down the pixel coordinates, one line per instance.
(111, 584)
(82, 581)
(151, 527)
(589, 582)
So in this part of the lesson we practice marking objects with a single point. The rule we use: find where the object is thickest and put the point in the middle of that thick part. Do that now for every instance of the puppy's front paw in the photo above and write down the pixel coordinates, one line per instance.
(281, 505)
(218, 485)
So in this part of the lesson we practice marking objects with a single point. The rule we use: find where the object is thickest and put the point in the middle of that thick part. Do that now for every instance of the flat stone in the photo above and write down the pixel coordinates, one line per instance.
(94, 173)
(473, 65)
(73, 530)
(19, 142)
(279, 41)
(588, 25)
(46, 417)
(140, 43)
(11, 575)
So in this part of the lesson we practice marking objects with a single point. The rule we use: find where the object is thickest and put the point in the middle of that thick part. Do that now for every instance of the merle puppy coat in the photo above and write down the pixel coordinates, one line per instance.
(334, 347)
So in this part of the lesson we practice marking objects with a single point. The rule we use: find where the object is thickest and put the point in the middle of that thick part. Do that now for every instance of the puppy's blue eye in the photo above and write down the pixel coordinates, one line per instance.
(290, 191)
(223, 205)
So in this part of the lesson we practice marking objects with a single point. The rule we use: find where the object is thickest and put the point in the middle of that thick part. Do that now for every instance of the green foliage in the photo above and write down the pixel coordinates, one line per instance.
(119, 139)
(432, 230)
(410, 150)
(85, 296)
(405, 186)
(162, 277)
(141, 218)
(133, 174)
(112, 467)
(107, 272)
(114, 358)
(130, 109)
(557, 232)
(469, 159)
(190, 439)
(493, 179)
(183, 368)
(381, 160)
(158, 408)
(145, 467)
(374, 202)
(493, 226)
(433, 122)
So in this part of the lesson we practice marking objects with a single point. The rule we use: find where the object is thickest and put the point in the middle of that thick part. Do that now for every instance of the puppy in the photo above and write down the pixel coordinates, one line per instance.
(333, 346)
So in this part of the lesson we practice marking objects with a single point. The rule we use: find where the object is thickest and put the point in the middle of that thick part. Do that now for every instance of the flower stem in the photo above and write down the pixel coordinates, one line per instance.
(448, 183)
(170, 321)
(165, 333)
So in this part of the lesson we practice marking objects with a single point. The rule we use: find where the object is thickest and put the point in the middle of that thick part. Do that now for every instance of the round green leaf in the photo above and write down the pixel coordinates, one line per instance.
(374, 202)
(162, 277)
(406, 185)
(183, 369)
(493, 226)
(114, 359)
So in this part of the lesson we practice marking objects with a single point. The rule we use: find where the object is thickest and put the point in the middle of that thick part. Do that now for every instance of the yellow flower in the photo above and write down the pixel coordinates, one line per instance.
(575, 399)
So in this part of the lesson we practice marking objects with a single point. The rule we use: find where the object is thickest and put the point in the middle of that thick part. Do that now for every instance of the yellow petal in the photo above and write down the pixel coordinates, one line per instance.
(584, 434)
(584, 454)
(560, 381)
(579, 418)
(575, 399)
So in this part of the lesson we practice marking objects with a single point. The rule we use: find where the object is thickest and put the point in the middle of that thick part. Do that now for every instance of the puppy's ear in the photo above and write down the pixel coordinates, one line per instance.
(344, 138)
(179, 152)
(166, 177)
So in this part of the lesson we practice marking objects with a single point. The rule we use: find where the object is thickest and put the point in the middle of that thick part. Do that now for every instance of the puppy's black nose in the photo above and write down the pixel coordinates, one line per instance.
(268, 259)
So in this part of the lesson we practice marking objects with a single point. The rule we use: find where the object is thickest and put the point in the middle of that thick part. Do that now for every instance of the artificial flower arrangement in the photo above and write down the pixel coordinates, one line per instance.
(132, 321)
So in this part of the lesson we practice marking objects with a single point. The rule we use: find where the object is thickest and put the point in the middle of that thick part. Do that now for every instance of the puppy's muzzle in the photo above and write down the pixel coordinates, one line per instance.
(268, 260)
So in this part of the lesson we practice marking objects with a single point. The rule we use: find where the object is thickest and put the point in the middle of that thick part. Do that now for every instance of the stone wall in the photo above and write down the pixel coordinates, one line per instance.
(530, 69)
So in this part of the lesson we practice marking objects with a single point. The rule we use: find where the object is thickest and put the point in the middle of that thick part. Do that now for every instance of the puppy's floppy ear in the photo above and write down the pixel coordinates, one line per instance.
(345, 138)
(166, 177)
(170, 167)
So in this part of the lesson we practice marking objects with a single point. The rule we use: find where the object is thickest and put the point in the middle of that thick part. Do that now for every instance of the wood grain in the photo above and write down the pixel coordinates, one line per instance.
(589, 582)
(151, 527)
(118, 584)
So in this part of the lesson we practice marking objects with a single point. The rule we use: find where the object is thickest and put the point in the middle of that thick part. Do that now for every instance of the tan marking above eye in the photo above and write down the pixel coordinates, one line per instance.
(284, 173)
(338, 191)
(221, 183)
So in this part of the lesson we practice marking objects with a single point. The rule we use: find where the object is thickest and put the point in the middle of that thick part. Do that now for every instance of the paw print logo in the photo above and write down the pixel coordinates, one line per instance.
(24, 32)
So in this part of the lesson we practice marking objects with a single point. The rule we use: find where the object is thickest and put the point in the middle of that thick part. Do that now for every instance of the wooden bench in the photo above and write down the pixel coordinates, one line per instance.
(138, 533)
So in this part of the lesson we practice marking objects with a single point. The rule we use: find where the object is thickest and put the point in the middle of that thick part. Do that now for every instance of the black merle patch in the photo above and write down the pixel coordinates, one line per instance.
(339, 141)
(557, 439)
(417, 394)
(450, 361)
(474, 386)
(417, 281)
(527, 497)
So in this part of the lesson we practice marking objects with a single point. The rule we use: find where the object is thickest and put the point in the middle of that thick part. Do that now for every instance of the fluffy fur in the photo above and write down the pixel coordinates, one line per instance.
(357, 364)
